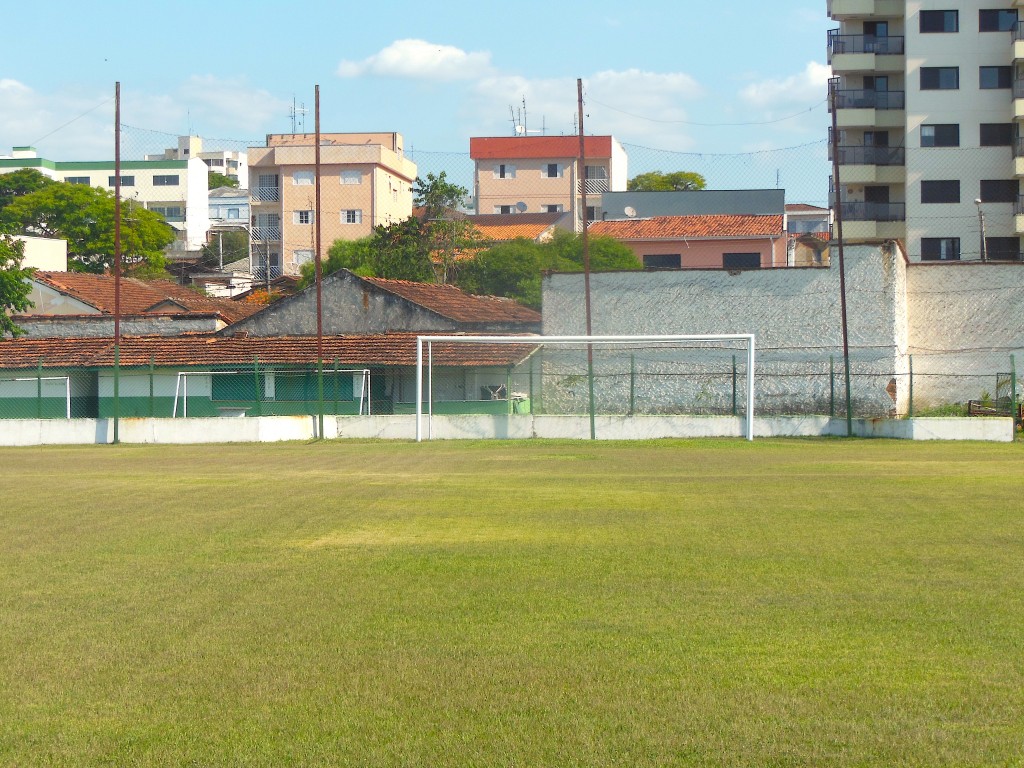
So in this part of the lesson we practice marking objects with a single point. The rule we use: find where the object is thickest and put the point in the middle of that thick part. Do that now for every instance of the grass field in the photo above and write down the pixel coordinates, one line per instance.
(780, 603)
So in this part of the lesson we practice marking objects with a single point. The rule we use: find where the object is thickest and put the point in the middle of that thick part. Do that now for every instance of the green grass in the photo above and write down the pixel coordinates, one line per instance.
(781, 603)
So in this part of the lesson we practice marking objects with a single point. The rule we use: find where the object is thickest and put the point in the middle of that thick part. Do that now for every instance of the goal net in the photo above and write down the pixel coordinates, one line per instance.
(666, 375)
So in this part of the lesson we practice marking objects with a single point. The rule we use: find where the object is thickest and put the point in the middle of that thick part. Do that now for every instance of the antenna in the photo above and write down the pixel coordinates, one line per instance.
(297, 113)
(630, 211)
(515, 124)
(521, 206)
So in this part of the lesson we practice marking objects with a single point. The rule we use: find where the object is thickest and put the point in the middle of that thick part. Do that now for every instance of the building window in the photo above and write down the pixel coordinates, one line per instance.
(996, 134)
(233, 213)
(940, 249)
(304, 256)
(351, 177)
(947, 191)
(741, 261)
(77, 180)
(165, 181)
(553, 171)
(663, 261)
(940, 78)
(302, 217)
(999, 190)
(994, 77)
(997, 20)
(505, 209)
(1002, 248)
(557, 208)
(591, 212)
(504, 171)
(940, 135)
(169, 212)
(352, 216)
(302, 178)
(940, 21)
(126, 181)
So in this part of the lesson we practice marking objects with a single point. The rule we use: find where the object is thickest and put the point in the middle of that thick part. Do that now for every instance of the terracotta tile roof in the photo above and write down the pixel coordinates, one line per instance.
(538, 147)
(804, 208)
(509, 226)
(204, 351)
(141, 296)
(454, 304)
(689, 227)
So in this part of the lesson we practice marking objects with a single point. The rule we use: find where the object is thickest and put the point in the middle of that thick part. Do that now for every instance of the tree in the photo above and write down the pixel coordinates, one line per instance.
(216, 180)
(84, 216)
(225, 247)
(400, 251)
(353, 255)
(14, 285)
(20, 183)
(447, 233)
(513, 269)
(677, 181)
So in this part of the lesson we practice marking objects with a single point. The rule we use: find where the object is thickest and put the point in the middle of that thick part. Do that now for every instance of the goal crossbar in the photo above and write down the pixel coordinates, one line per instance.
(427, 360)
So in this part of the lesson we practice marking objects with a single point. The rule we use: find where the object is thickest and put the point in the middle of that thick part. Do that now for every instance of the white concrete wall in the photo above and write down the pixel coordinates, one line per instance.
(45, 253)
(25, 432)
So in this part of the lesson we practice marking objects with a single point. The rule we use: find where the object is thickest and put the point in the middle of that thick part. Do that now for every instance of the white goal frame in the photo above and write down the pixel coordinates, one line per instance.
(181, 386)
(67, 388)
(428, 342)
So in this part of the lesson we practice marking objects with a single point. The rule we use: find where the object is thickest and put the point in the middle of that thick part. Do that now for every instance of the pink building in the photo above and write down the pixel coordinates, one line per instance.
(702, 242)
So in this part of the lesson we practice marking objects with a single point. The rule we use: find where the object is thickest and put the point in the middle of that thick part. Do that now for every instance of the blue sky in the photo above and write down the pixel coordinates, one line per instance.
(676, 76)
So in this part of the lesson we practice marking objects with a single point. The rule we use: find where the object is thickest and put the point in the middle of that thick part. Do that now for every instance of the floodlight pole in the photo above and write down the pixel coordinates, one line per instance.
(582, 177)
(833, 87)
(319, 281)
(117, 262)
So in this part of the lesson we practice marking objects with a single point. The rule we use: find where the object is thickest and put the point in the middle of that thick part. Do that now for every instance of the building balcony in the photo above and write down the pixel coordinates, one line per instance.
(861, 98)
(861, 211)
(265, 194)
(860, 155)
(863, 9)
(261, 273)
(596, 186)
(865, 53)
(266, 234)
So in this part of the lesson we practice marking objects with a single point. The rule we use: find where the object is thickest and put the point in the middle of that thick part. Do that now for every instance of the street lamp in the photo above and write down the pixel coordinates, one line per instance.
(981, 228)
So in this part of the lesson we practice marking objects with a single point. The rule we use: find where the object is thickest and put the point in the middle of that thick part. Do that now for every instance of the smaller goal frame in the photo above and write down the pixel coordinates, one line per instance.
(41, 379)
(428, 341)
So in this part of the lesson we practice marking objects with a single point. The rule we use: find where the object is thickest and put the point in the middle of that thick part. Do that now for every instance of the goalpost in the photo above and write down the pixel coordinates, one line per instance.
(181, 385)
(39, 384)
(425, 361)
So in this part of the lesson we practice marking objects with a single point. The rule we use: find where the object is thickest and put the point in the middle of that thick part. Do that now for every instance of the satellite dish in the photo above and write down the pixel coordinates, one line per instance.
(521, 206)
(630, 211)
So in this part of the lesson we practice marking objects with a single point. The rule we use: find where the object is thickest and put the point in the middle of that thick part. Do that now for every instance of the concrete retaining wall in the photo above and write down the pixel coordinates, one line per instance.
(23, 432)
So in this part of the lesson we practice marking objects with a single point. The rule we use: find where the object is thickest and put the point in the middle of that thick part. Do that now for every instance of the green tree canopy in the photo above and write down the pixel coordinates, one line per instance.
(677, 181)
(20, 183)
(217, 180)
(84, 216)
(513, 269)
(446, 232)
(225, 246)
(353, 255)
(14, 285)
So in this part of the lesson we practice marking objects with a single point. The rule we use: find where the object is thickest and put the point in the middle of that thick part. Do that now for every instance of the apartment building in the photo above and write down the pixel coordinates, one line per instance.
(176, 189)
(231, 163)
(366, 181)
(541, 174)
(928, 96)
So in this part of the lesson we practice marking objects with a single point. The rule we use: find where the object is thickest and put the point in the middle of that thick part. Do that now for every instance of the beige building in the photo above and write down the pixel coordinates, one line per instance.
(230, 163)
(929, 95)
(541, 174)
(366, 181)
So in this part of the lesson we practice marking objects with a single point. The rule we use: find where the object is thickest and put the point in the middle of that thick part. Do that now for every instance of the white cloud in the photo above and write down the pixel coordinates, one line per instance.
(420, 60)
(633, 105)
(800, 90)
(230, 103)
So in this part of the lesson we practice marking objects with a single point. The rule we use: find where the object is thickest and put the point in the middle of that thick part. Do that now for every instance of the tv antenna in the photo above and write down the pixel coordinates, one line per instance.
(630, 211)
(519, 127)
(298, 115)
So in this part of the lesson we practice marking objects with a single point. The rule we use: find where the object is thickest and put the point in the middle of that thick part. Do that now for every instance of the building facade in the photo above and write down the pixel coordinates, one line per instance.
(176, 189)
(541, 174)
(366, 181)
(230, 163)
(928, 95)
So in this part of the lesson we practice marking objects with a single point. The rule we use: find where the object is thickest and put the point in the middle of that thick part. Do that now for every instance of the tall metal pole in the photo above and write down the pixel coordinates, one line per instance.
(832, 88)
(582, 177)
(982, 248)
(117, 262)
(319, 280)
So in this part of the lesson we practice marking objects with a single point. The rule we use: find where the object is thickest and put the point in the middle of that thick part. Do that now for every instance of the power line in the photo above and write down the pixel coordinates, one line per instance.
(69, 122)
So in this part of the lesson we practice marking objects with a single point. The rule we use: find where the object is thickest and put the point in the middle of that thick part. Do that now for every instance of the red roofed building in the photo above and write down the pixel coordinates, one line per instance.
(702, 242)
(541, 174)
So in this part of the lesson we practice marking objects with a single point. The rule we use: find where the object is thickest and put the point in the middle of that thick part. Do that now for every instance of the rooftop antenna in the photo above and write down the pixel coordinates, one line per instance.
(298, 115)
